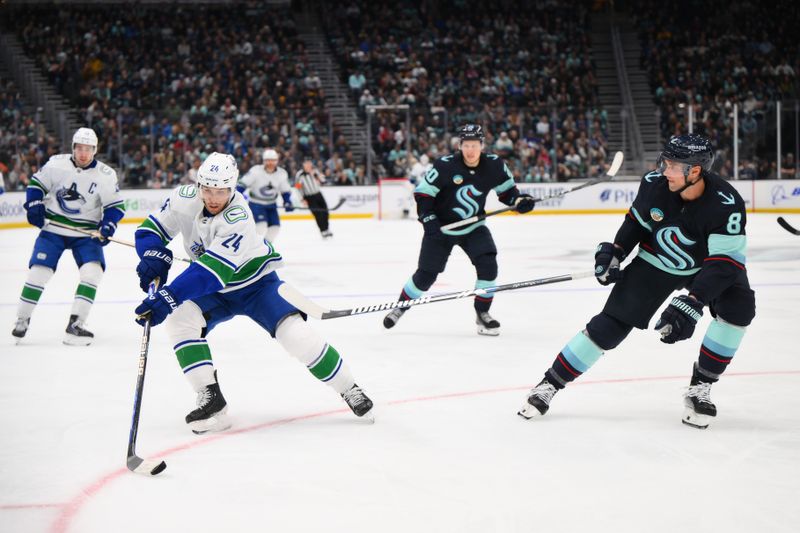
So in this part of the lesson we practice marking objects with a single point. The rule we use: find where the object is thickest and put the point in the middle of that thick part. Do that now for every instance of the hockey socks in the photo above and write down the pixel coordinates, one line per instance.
(575, 358)
(91, 274)
(719, 345)
(38, 276)
(483, 302)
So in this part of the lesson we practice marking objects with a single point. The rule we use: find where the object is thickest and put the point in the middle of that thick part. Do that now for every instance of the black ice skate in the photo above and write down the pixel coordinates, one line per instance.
(487, 325)
(538, 400)
(77, 335)
(699, 407)
(327, 234)
(21, 327)
(211, 412)
(358, 402)
(390, 320)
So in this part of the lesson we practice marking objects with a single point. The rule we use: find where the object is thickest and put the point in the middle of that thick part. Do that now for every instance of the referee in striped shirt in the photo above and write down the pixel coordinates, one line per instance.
(308, 180)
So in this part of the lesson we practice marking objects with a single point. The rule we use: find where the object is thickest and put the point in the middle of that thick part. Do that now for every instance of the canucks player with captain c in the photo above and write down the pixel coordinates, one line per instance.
(233, 273)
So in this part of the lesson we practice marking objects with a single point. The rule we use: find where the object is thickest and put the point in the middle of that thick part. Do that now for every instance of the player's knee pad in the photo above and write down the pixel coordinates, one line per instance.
(185, 323)
(91, 273)
(299, 339)
(739, 311)
(39, 275)
(606, 331)
(424, 279)
(486, 266)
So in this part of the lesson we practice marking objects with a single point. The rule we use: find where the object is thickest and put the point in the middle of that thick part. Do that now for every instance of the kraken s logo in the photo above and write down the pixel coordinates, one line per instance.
(70, 200)
(466, 197)
(670, 239)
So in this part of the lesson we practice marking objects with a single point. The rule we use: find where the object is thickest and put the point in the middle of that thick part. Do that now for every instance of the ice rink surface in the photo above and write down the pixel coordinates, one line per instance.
(447, 452)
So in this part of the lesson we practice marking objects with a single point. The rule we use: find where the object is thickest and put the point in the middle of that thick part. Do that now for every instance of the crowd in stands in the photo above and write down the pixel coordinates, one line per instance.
(164, 87)
(25, 144)
(521, 69)
(714, 54)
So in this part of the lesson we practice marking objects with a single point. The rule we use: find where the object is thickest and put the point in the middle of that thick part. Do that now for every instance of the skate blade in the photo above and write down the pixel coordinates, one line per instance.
(696, 420)
(528, 411)
(493, 332)
(72, 340)
(215, 424)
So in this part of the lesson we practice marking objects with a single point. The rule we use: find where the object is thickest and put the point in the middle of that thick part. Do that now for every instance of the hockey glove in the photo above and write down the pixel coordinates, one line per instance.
(431, 225)
(525, 203)
(156, 307)
(106, 230)
(287, 202)
(155, 263)
(678, 320)
(607, 258)
(34, 210)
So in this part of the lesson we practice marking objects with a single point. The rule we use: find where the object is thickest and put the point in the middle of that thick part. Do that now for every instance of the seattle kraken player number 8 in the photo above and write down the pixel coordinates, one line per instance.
(689, 225)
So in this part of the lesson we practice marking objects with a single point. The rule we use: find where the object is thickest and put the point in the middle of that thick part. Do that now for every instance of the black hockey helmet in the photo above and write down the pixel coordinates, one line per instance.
(471, 132)
(690, 149)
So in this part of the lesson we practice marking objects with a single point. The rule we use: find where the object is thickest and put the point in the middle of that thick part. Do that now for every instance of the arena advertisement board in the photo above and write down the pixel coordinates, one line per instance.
(771, 196)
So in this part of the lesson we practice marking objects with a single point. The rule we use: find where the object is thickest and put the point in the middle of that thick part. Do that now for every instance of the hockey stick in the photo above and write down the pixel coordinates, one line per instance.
(612, 171)
(135, 463)
(313, 309)
(96, 235)
(334, 208)
(788, 227)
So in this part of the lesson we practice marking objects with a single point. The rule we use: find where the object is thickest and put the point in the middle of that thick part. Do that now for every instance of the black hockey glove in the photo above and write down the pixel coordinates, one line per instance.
(524, 203)
(155, 263)
(606, 263)
(678, 320)
(431, 225)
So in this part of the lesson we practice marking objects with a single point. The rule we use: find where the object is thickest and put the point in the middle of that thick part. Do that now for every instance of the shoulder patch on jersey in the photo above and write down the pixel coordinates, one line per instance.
(60, 156)
(492, 156)
(234, 214)
(727, 199)
(447, 158)
(187, 191)
(650, 176)
(105, 169)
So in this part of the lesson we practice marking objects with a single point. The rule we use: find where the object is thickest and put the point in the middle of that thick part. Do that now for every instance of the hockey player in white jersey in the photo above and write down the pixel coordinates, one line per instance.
(79, 191)
(233, 273)
(263, 184)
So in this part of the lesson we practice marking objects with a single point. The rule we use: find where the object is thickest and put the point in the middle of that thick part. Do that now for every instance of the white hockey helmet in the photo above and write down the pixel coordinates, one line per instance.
(218, 171)
(85, 136)
(270, 154)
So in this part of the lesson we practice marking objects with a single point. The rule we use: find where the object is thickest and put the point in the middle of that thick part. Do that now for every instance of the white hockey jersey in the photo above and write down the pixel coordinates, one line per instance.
(76, 196)
(227, 244)
(264, 187)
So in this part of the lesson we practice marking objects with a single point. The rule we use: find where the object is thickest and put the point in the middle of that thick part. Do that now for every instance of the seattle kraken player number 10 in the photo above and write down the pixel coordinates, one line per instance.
(454, 189)
(689, 225)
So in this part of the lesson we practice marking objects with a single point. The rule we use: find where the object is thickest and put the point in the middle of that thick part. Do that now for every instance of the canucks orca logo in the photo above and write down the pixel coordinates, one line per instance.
(268, 191)
(466, 197)
(70, 200)
(670, 239)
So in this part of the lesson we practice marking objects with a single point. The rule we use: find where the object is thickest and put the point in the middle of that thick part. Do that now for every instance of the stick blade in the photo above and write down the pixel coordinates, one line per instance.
(299, 300)
(788, 227)
(616, 164)
(137, 465)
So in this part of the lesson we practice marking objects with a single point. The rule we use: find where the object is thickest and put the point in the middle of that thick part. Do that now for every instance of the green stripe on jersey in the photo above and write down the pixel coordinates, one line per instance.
(69, 222)
(149, 225)
(221, 270)
(33, 182)
(250, 268)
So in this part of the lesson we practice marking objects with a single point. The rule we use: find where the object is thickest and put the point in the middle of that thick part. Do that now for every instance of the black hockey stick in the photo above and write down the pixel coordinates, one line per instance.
(96, 235)
(339, 204)
(612, 171)
(788, 227)
(313, 309)
(135, 463)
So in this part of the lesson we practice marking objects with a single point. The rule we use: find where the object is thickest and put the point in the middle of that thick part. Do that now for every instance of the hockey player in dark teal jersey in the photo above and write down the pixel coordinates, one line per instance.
(455, 189)
(689, 224)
